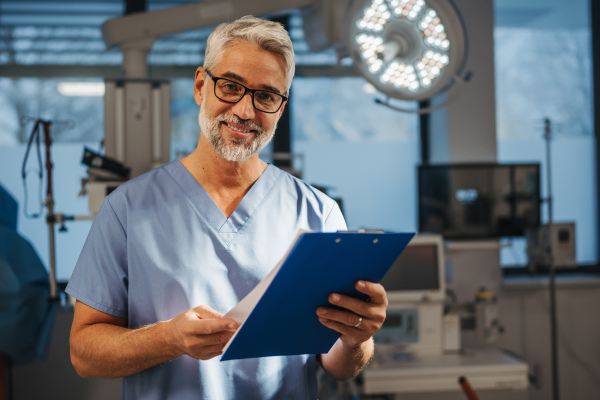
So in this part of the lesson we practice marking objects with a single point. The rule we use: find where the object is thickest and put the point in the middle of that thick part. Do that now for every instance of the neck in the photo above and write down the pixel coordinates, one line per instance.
(225, 181)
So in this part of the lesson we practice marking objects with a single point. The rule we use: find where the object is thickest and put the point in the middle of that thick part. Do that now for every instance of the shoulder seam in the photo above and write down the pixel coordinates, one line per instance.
(116, 215)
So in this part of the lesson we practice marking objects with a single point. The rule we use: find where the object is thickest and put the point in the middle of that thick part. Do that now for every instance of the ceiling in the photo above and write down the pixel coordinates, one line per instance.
(67, 33)
(57, 34)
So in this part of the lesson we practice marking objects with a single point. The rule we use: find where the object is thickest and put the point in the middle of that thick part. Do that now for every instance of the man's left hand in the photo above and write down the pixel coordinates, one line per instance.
(359, 319)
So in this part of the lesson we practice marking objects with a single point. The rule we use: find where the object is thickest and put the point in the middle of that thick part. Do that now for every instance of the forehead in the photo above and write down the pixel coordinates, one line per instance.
(254, 67)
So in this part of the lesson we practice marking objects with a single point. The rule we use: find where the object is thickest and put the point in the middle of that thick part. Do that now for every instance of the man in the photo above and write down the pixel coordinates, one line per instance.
(198, 234)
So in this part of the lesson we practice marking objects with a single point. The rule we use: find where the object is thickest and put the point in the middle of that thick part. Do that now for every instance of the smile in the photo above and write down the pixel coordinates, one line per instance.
(238, 129)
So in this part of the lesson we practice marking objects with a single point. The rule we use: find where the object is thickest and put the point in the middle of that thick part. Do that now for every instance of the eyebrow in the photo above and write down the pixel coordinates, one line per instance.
(234, 76)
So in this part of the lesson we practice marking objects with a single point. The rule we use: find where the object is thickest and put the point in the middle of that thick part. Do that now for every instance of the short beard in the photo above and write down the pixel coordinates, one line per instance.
(237, 150)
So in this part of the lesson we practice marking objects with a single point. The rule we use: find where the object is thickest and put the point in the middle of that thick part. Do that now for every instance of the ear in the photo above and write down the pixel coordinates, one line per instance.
(199, 85)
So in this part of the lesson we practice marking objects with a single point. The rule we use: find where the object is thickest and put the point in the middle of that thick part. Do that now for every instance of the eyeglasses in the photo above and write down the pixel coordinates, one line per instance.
(232, 92)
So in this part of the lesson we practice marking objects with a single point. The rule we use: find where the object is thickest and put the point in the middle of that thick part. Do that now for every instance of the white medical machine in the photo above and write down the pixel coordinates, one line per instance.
(415, 356)
(416, 290)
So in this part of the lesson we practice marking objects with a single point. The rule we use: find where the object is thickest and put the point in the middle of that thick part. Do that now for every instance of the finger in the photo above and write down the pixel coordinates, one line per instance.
(357, 306)
(205, 312)
(343, 317)
(213, 326)
(199, 344)
(356, 335)
(375, 291)
(360, 307)
(208, 352)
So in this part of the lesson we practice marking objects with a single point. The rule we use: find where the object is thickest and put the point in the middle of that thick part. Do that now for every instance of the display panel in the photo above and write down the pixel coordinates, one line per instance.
(418, 274)
(471, 201)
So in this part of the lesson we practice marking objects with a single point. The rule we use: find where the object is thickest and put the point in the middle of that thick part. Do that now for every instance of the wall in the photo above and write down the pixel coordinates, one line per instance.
(524, 313)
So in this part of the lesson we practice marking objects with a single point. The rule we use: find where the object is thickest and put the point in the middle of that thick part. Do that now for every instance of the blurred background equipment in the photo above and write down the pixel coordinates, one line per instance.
(479, 200)
(48, 202)
(104, 167)
(137, 117)
(486, 316)
(466, 387)
(562, 236)
(418, 353)
(416, 289)
(51, 218)
(104, 175)
(26, 314)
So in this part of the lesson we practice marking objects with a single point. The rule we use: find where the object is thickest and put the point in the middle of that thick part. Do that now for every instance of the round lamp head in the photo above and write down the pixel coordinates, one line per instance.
(408, 49)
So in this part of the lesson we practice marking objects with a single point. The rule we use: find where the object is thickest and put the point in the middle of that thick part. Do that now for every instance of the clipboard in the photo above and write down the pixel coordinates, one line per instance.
(278, 317)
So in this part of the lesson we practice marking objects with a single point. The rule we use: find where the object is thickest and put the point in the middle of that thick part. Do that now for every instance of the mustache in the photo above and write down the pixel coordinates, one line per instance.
(234, 119)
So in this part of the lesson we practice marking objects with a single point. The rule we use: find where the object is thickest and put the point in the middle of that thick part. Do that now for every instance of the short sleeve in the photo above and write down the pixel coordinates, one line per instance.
(100, 278)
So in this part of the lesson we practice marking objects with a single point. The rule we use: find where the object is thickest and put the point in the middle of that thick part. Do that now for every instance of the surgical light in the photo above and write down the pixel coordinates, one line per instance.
(408, 49)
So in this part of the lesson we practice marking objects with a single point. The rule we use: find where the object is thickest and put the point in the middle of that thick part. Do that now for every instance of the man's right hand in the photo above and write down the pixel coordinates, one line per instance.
(103, 346)
(202, 332)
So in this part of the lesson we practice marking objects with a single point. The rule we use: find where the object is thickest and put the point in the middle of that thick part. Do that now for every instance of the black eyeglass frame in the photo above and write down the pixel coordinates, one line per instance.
(246, 90)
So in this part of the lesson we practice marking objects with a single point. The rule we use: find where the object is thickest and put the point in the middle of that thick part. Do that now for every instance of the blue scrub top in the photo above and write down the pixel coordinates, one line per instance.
(160, 246)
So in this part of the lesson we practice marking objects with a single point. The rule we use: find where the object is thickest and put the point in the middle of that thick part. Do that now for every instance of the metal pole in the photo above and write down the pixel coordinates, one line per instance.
(552, 272)
(50, 217)
(53, 294)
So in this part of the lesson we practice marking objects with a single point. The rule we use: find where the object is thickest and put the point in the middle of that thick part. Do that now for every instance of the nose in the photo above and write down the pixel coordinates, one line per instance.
(245, 107)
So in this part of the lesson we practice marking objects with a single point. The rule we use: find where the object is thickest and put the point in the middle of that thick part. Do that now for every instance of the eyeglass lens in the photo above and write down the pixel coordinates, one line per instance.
(232, 92)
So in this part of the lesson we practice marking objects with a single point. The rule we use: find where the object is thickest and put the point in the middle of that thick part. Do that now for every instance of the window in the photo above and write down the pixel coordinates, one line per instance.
(359, 151)
(543, 65)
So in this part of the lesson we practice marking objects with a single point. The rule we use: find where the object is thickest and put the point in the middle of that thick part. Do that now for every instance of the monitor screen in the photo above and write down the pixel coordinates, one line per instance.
(469, 201)
(415, 269)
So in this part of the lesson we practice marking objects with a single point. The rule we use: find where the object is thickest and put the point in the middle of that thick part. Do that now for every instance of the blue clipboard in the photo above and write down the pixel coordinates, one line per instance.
(284, 321)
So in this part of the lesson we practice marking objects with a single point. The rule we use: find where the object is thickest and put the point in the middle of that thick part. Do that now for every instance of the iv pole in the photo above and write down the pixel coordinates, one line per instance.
(49, 201)
(49, 204)
(551, 268)
(51, 217)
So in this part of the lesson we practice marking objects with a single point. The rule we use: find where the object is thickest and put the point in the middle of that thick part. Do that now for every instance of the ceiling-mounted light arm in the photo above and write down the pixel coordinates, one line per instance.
(151, 24)
(452, 93)
(137, 32)
(325, 25)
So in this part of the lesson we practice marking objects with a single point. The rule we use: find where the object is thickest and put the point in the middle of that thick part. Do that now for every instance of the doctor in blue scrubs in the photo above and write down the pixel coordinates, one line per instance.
(172, 250)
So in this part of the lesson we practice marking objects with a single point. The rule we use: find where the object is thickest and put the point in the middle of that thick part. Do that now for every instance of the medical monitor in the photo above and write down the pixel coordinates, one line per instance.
(480, 200)
(418, 274)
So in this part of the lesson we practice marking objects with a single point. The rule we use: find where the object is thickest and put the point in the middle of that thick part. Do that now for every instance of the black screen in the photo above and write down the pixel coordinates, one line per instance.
(415, 269)
(479, 200)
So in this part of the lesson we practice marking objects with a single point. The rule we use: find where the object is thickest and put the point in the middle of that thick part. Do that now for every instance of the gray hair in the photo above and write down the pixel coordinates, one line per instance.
(267, 35)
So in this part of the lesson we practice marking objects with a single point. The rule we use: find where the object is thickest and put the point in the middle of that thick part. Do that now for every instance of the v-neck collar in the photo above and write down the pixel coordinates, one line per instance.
(226, 227)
